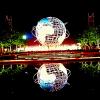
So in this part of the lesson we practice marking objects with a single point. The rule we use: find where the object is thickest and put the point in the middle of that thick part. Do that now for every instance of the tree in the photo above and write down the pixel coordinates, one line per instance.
(18, 40)
(90, 37)
(2, 46)
(9, 40)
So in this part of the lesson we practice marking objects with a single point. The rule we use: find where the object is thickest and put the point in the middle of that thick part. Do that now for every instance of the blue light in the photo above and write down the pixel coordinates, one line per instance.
(29, 35)
(44, 20)
(46, 85)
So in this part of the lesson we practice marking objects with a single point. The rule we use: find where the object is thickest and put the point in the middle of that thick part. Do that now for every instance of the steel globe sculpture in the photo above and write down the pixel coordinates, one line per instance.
(52, 76)
(51, 31)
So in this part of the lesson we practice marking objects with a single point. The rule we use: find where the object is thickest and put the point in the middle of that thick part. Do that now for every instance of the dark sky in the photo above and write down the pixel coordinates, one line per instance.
(75, 12)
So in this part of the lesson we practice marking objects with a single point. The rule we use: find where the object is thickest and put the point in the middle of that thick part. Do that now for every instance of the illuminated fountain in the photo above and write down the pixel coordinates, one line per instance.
(52, 76)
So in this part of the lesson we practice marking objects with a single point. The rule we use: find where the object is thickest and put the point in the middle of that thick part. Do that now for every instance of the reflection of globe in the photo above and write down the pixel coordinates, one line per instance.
(50, 31)
(52, 76)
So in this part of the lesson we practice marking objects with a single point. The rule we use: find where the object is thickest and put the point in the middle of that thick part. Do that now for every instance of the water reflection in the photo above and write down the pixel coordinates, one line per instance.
(17, 79)
(52, 76)
(91, 67)
(11, 69)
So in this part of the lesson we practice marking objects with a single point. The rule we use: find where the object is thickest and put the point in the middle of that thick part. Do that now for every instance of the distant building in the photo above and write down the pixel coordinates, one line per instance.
(90, 19)
(8, 23)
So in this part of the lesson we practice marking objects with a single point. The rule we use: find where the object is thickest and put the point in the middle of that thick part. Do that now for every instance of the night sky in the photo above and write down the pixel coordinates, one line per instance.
(75, 12)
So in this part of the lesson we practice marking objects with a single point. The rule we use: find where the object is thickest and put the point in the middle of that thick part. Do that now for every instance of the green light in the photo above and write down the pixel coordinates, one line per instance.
(24, 37)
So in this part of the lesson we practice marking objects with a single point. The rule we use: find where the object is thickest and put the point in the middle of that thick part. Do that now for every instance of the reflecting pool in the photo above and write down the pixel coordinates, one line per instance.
(62, 79)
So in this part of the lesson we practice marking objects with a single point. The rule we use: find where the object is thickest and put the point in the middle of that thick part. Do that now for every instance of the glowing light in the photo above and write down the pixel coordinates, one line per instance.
(45, 76)
(52, 76)
(54, 47)
(51, 31)
(24, 37)
(44, 31)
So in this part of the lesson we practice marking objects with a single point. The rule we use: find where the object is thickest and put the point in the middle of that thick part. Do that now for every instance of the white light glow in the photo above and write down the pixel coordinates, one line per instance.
(45, 76)
(43, 31)
(53, 76)
(54, 47)
(51, 31)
